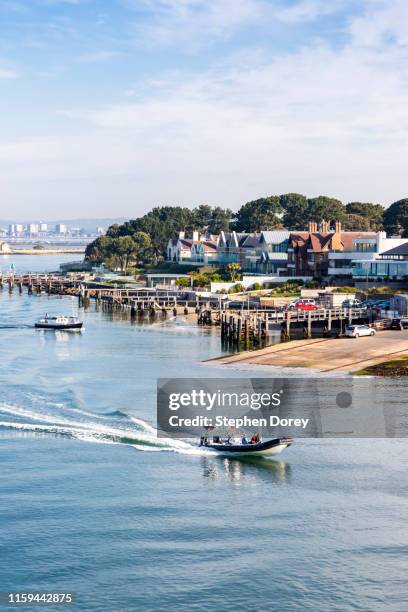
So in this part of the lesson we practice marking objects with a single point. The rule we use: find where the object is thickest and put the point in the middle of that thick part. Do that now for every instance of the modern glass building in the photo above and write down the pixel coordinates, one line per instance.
(390, 264)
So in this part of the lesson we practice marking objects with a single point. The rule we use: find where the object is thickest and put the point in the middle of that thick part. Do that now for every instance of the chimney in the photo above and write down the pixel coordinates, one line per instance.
(337, 227)
(182, 235)
(324, 226)
(195, 236)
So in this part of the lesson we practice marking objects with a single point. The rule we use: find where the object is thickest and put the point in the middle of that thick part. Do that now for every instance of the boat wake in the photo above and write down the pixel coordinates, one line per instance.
(115, 427)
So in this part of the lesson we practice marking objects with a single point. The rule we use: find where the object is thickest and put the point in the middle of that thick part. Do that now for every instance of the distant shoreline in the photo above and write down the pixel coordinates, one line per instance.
(73, 250)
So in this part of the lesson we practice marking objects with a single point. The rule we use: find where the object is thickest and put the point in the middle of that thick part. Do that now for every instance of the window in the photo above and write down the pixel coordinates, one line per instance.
(366, 247)
(280, 248)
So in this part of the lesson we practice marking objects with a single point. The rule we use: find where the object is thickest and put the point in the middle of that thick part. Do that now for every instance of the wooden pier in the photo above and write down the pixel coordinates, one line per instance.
(237, 326)
(260, 325)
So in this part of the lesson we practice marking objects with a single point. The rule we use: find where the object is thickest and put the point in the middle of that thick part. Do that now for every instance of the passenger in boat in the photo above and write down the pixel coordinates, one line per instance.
(255, 438)
(244, 440)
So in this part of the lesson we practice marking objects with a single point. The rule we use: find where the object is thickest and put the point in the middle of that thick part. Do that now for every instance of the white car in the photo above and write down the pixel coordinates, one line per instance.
(352, 304)
(355, 331)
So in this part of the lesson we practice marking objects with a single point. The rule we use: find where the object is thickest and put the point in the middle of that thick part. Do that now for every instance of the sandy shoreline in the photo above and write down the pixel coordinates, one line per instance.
(74, 251)
(326, 355)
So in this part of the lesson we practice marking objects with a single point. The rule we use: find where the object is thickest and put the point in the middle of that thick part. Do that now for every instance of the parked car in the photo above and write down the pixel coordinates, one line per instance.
(399, 324)
(383, 304)
(352, 304)
(303, 304)
(355, 331)
(306, 306)
(367, 304)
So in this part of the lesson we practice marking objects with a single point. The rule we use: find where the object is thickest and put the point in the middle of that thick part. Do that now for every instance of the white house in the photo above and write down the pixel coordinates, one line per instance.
(201, 249)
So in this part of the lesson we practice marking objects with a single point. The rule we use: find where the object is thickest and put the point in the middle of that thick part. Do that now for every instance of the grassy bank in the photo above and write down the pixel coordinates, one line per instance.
(394, 367)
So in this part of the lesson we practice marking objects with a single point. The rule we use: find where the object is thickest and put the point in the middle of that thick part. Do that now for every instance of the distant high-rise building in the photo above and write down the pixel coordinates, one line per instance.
(15, 229)
(60, 228)
(32, 228)
(100, 230)
(43, 227)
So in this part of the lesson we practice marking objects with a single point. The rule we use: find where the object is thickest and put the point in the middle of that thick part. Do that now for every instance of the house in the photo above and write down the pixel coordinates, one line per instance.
(261, 253)
(388, 264)
(326, 252)
(200, 249)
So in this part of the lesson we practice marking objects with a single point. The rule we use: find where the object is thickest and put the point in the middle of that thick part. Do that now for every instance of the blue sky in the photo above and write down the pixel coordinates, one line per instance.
(112, 107)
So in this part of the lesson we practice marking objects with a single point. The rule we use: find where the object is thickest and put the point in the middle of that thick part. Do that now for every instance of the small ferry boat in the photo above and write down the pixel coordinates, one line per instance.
(59, 322)
(232, 446)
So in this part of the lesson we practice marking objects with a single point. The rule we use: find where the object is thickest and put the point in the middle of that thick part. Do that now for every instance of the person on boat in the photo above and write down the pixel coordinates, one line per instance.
(255, 438)
(244, 440)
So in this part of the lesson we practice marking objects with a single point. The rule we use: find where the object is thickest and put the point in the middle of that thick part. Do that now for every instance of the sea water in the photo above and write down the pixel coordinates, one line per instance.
(92, 502)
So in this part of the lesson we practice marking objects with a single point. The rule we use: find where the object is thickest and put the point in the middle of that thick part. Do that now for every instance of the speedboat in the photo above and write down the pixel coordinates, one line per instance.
(59, 322)
(234, 447)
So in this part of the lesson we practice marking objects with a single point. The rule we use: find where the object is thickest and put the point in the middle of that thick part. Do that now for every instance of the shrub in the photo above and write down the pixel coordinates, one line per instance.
(183, 282)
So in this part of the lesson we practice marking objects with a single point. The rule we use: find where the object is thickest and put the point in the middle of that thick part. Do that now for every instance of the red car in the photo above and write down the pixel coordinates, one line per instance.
(305, 306)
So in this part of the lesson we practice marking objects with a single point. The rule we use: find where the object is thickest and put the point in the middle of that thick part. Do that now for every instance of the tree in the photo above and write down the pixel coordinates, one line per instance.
(114, 231)
(374, 213)
(234, 270)
(323, 208)
(161, 224)
(259, 215)
(295, 207)
(202, 216)
(219, 220)
(143, 252)
(98, 249)
(356, 223)
(124, 249)
(396, 218)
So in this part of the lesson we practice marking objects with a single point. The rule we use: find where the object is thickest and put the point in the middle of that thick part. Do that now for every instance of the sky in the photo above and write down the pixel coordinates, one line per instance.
(111, 107)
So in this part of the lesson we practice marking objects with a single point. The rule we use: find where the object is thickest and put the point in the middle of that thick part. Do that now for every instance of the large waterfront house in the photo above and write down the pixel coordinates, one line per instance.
(262, 252)
(388, 264)
(325, 252)
(200, 249)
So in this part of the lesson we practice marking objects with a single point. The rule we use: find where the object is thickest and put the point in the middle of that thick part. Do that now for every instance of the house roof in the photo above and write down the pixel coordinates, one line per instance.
(274, 257)
(324, 241)
(209, 245)
(402, 250)
(249, 240)
(185, 243)
(275, 236)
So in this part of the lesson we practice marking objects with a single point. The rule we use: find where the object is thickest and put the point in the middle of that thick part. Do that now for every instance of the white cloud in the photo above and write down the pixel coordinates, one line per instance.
(6, 73)
(96, 57)
(321, 119)
(384, 23)
(197, 22)
(28, 151)
(307, 10)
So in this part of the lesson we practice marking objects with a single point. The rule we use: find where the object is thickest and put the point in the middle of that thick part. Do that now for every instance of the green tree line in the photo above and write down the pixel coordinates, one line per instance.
(143, 241)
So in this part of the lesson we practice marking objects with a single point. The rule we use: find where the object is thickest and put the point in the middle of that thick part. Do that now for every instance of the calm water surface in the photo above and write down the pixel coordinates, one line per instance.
(91, 502)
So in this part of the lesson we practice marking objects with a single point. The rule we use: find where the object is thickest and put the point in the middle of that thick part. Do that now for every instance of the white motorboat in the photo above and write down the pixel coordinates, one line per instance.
(59, 322)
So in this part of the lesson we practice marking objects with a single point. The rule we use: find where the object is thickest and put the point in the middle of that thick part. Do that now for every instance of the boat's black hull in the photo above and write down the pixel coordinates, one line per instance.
(269, 447)
(56, 326)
